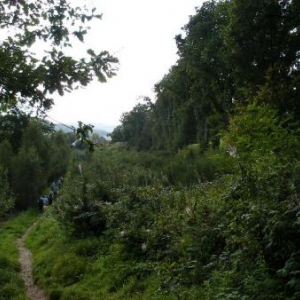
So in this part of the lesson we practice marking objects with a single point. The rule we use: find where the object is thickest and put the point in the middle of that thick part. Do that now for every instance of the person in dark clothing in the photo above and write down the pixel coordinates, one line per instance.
(41, 204)
(54, 189)
(50, 198)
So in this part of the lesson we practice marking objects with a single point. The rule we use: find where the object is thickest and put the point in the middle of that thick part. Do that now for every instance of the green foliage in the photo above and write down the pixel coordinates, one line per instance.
(80, 212)
(263, 204)
(146, 232)
(11, 128)
(261, 36)
(233, 52)
(83, 133)
(60, 155)
(11, 284)
(27, 178)
(6, 200)
(42, 155)
(35, 136)
(29, 169)
(216, 214)
(133, 223)
(6, 154)
(136, 127)
(27, 78)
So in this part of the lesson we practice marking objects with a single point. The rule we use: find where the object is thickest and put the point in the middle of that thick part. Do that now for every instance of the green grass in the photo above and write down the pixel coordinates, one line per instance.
(95, 268)
(11, 283)
(89, 268)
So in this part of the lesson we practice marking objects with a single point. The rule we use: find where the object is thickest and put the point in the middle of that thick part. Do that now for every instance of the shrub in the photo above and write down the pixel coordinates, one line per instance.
(68, 269)
(7, 202)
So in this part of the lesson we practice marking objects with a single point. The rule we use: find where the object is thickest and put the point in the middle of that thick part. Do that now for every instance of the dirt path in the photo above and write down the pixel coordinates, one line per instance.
(32, 290)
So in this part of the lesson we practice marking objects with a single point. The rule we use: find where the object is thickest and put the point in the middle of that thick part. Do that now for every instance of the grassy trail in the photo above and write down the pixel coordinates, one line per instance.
(12, 285)
(32, 290)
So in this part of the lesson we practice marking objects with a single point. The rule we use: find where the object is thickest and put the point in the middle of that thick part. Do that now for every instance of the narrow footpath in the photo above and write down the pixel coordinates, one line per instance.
(32, 290)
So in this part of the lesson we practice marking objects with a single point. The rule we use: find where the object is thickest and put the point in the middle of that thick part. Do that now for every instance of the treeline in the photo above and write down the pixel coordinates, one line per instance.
(232, 53)
(32, 154)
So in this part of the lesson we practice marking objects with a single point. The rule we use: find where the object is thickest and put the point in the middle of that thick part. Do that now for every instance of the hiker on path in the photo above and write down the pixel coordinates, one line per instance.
(54, 189)
(60, 181)
(50, 198)
(41, 204)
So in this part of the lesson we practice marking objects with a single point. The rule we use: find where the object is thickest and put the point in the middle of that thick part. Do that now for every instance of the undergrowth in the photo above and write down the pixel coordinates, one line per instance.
(194, 225)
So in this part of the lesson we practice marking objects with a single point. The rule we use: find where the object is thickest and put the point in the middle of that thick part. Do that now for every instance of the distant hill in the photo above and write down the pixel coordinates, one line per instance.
(101, 129)
(63, 128)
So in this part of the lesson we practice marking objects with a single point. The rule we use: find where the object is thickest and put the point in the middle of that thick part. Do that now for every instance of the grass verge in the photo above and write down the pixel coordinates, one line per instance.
(85, 269)
(11, 284)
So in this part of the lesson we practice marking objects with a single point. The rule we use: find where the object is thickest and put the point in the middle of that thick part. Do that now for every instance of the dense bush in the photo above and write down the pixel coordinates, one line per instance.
(6, 200)
(26, 171)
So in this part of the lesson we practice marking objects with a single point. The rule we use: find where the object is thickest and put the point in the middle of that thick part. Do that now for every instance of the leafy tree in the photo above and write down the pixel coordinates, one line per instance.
(29, 78)
(28, 178)
(195, 98)
(136, 127)
(6, 200)
(35, 63)
(35, 135)
(6, 155)
(83, 133)
(43, 156)
(12, 126)
(117, 134)
(60, 151)
(204, 52)
(172, 94)
(264, 42)
(232, 52)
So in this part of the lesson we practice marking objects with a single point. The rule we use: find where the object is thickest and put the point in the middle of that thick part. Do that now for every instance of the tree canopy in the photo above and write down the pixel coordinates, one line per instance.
(232, 53)
(28, 78)
(35, 64)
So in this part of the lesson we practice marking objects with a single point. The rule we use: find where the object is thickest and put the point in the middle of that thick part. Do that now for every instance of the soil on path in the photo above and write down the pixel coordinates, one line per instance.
(32, 290)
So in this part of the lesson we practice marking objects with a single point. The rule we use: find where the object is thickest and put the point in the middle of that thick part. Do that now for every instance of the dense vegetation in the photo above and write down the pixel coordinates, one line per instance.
(138, 225)
(197, 197)
(233, 53)
(35, 60)
(27, 168)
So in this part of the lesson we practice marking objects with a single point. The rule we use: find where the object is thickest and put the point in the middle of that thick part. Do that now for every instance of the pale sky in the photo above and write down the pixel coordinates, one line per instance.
(141, 34)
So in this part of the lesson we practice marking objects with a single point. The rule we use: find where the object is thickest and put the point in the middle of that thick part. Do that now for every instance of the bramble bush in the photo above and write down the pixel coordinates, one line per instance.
(262, 208)
(7, 202)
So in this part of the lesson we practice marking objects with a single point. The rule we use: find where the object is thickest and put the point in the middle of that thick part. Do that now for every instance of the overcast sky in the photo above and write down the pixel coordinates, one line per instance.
(141, 34)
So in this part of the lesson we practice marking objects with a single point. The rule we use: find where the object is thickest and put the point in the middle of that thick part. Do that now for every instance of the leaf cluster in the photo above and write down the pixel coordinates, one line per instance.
(29, 77)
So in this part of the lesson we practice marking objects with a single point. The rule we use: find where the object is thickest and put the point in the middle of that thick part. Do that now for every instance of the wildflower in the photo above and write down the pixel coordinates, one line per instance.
(144, 246)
